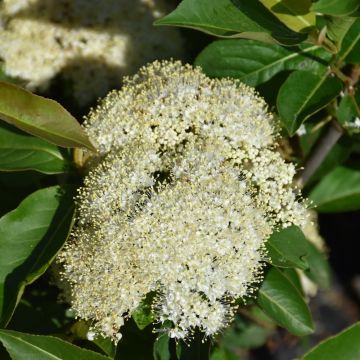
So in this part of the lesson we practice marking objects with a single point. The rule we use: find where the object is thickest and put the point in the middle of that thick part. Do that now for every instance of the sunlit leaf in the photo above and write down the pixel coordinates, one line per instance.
(295, 14)
(41, 117)
(231, 18)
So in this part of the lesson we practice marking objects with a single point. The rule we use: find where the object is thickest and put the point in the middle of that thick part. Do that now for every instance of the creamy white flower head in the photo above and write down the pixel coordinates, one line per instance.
(93, 44)
(185, 191)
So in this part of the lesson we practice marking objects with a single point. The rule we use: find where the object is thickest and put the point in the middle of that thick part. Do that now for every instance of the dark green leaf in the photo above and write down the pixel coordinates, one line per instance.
(106, 345)
(231, 18)
(319, 269)
(350, 49)
(20, 151)
(254, 62)
(143, 315)
(280, 300)
(161, 348)
(41, 117)
(348, 112)
(303, 94)
(135, 344)
(37, 347)
(343, 346)
(295, 14)
(287, 248)
(244, 334)
(294, 278)
(335, 7)
(339, 191)
(30, 237)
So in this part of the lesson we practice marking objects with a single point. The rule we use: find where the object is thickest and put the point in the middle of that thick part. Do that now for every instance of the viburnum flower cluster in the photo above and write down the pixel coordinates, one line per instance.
(86, 41)
(179, 202)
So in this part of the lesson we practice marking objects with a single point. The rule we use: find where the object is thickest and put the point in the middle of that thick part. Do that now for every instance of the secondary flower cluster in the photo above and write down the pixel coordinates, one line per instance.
(83, 40)
(185, 191)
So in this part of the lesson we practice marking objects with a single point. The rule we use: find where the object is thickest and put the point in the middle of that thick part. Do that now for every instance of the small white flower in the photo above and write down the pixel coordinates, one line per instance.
(301, 130)
(185, 192)
(91, 335)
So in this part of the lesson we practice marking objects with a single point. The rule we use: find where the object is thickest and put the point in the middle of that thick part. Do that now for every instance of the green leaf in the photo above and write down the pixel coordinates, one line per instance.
(294, 278)
(338, 191)
(223, 354)
(288, 248)
(346, 112)
(161, 347)
(280, 300)
(254, 62)
(335, 7)
(350, 49)
(231, 18)
(30, 237)
(106, 345)
(20, 151)
(337, 27)
(38, 347)
(319, 269)
(244, 334)
(343, 346)
(41, 117)
(294, 14)
(303, 94)
(143, 315)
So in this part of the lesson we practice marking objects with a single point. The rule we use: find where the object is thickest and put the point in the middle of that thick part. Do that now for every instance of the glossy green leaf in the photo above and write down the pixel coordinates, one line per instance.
(335, 7)
(280, 300)
(287, 248)
(231, 18)
(303, 94)
(30, 237)
(161, 347)
(339, 191)
(343, 346)
(295, 14)
(41, 117)
(143, 314)
(350, 49)
(38, 347)
(337, 27)
(254, 62)
(20, 151)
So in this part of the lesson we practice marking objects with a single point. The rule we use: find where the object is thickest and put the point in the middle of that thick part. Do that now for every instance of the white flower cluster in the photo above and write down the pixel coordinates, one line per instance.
(185, 191)
(91, 43)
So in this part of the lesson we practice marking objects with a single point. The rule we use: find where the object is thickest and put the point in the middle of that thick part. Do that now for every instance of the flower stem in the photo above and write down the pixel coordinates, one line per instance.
(322, 148)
